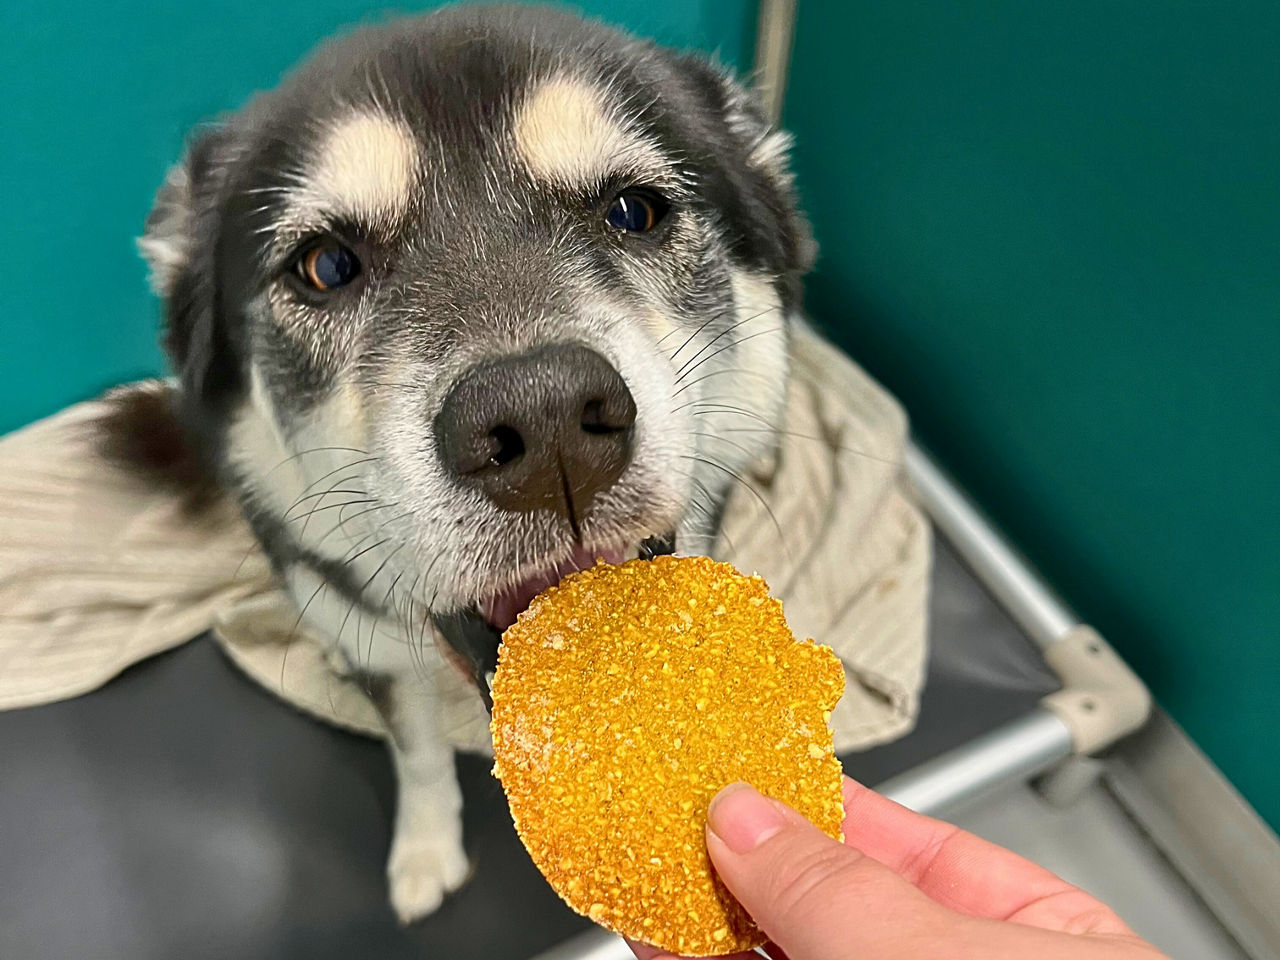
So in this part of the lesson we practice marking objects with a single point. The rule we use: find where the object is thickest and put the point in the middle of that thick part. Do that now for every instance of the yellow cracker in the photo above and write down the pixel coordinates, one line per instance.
(624, 699)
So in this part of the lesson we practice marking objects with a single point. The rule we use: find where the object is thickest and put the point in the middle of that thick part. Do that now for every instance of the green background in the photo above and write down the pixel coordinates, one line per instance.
(1054, 230)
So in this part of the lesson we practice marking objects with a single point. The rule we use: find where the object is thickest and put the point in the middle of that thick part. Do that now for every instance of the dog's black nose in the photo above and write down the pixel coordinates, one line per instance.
(543, 430)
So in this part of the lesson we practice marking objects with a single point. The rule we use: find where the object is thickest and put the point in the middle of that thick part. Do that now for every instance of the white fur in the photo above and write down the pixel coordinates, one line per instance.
(567, 131)
(427, 859)
(366, 169)
(737, 393)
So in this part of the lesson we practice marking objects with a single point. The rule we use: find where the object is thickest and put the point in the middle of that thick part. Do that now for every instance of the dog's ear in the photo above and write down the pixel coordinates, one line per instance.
(165, 243)
(764, 152)
(178, 244)
(168, 240)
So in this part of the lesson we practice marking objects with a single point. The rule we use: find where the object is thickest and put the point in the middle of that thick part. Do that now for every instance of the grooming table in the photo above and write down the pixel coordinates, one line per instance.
(180, 811)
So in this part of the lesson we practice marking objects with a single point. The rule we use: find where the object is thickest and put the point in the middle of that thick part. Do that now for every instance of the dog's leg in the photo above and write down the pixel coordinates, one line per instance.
(427, 859)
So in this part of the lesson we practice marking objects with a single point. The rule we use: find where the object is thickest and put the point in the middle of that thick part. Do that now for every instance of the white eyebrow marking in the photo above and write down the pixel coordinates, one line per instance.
(365, 169)
(566, 131)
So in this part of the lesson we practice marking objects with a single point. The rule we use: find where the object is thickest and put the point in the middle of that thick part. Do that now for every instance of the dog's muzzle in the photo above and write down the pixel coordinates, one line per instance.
(475, 634)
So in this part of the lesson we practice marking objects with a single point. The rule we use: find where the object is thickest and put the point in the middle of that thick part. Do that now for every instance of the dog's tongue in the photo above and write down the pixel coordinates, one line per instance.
(502, 609)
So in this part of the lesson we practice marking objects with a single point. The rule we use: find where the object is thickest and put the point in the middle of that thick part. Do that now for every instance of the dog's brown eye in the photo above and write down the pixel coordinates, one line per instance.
(636, 211)
(328, 265)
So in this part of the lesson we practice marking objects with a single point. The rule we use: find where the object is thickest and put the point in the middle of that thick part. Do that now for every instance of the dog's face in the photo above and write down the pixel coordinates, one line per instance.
(476, 298)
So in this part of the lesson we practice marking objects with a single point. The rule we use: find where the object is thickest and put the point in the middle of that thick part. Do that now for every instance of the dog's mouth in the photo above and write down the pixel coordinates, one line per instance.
(473, 634)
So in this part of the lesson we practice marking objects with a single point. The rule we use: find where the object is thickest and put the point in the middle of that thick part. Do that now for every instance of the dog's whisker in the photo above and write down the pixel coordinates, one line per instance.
(663, 339)
(393, 503)
(269, 190)
(769, 429)
(719, 373)
(332, 491)
(782, 538)
(374, 628)
(312, 450)
(357, 599)
(680, 373)
(721, 439)
(842, 447)
(686, 370)
(705, 323)
(373, 533)
(328, 506)
(297, 624)
(427, 608)
(404, 617)
(422, 633)
(351, 545)
(346, 466)
(708, 509)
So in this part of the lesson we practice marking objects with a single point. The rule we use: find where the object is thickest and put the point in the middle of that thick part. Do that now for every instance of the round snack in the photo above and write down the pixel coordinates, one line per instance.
(624, 699)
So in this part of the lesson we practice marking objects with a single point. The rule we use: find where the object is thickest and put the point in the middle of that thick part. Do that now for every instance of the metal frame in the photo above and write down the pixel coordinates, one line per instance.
(775, 29)
(1101, 699)
(1221, 847)
(1031, 602)
(1016, 752)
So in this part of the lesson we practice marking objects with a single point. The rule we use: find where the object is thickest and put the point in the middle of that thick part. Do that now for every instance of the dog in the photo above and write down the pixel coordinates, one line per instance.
(472, 300)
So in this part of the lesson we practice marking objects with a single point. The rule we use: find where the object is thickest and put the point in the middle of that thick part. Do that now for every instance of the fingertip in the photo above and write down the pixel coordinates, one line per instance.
(865, 809)
(742, 818)
(728, 790)
(853, 791)
(645, 952)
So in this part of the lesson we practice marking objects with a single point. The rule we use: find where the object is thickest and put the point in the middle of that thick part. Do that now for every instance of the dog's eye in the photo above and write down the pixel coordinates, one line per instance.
(636, 211)
(328, 265)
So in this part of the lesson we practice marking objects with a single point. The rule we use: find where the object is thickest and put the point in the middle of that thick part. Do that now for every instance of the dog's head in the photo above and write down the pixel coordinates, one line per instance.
(475, 298)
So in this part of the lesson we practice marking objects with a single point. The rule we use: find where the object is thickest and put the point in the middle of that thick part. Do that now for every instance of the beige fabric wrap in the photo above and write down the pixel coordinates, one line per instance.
(98, 571)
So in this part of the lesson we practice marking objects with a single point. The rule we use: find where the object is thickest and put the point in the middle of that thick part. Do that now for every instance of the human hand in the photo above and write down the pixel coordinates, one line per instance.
(901, 887)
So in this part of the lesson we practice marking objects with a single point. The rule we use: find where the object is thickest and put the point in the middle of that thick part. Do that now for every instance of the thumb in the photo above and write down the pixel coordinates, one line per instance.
(813, 896)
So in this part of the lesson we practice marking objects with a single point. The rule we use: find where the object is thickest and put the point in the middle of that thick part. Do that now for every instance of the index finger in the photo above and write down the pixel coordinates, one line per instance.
(965, 872)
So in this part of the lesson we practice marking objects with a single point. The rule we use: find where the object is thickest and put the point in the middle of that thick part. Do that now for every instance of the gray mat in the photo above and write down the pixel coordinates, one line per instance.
(181, 812)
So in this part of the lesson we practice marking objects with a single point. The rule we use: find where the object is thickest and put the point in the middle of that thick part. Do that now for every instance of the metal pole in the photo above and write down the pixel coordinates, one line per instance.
(774, 31)
(1033, 605)
(1014, 753)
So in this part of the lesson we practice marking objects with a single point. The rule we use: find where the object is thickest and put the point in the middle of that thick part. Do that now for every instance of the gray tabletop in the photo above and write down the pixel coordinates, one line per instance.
(182, 812)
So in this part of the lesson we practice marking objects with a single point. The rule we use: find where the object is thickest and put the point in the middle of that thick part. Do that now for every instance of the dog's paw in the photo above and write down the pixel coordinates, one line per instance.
(421, 871)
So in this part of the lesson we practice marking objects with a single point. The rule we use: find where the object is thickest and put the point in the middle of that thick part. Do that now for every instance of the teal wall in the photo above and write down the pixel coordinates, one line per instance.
(1054, 230)
(98, 99)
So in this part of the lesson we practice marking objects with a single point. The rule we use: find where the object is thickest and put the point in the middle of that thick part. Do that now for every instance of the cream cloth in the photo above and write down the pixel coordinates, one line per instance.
(99, 571)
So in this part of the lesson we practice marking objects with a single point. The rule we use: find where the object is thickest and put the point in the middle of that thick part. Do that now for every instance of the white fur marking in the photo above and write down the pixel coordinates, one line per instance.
(753, 393)
(256, 448)
(291, 474)
(565, 131)
(762, 355)
(365, 169)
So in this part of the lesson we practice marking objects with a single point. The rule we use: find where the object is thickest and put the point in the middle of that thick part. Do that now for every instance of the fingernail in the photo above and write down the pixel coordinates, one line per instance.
(742, 818)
